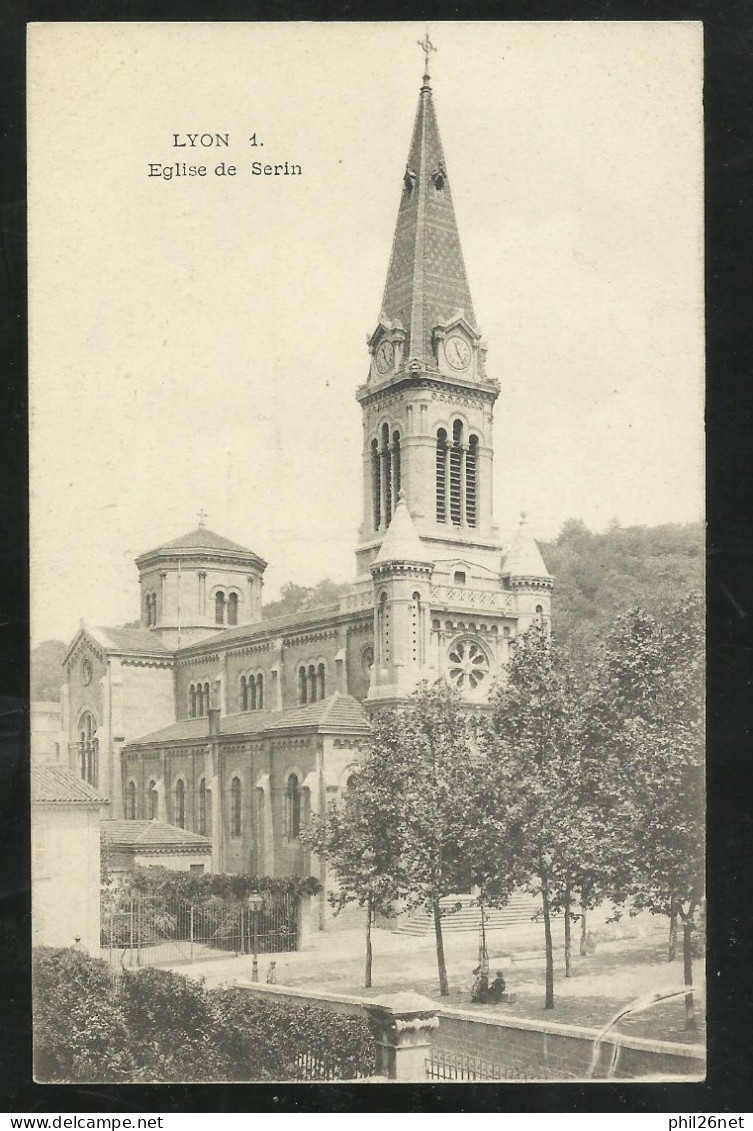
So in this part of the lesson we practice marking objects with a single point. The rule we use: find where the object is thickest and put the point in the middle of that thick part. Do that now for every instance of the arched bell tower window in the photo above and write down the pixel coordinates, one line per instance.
(312, 683)
(386, 473)
(471, 475)
(259, 692)
(219, 607)
(199, 700)
(396, 469)
(302, 686)
(321, 680)
(232, 608)
(441, 473)
(376, 484)
(456, 468)
(244, 694)
(131, 801)
(457, 477)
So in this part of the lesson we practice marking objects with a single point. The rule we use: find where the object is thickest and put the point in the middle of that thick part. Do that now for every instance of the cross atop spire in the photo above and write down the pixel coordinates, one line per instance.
(427, 47)
(202, 516)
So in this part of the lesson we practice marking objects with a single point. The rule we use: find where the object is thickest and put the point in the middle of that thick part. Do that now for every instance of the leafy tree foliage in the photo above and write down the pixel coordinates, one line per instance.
(600, 576)
(46, 670)
(360, 836)
(300, 598)
(647, 715)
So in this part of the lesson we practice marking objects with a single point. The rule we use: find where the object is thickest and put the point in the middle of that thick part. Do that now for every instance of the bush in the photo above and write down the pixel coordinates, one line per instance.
(79, 1029)
(154, 1025)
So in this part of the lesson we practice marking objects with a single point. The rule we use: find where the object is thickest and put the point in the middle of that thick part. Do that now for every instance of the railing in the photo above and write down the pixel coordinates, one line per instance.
(443, 1064)
(313, 1067)
(140, 929)
(477, 598)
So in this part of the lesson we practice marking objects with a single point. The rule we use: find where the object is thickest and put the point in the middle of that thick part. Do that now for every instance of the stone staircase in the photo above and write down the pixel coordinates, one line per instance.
(520, 909)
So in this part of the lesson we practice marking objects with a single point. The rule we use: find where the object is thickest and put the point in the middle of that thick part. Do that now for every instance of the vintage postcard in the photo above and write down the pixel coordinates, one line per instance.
(366, 383)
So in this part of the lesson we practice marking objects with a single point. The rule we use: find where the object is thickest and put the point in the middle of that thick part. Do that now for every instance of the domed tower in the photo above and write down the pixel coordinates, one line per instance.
(198, 585)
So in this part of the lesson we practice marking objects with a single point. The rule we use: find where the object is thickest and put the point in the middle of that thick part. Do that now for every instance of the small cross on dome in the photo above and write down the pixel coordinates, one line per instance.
(202, 517)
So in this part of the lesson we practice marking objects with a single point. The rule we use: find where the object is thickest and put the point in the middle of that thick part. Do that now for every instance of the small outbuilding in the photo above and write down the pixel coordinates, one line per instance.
(65, 858)
(138, 844)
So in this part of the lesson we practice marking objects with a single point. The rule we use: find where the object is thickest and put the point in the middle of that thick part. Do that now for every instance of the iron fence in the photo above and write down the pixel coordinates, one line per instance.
(148, 929)
(443, 1064)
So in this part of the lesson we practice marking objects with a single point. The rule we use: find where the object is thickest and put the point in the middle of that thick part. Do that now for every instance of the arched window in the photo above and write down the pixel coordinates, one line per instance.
(471, 474)
(456, 466)
(207, 703)
(232, 609)
(386, 476)
(153, 801)
(321, 680)
(192, 702)
(180, 803)
(540, 614)
(219, 607)
(199, 700)
(131, 801)
(312, 684)
(252, 693)
(302, 686)
(293, 807)
(244, 694)
(235, 807)
(376, 479)
(441, 460)
(88, 749)
(395, 466)
(350, 784)
(259, 691)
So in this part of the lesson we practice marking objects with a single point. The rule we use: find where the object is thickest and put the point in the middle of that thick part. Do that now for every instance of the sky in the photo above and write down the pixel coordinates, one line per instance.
(196, 343)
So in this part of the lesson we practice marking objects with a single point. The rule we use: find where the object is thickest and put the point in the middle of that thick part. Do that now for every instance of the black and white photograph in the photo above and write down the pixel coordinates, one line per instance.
(367, 552)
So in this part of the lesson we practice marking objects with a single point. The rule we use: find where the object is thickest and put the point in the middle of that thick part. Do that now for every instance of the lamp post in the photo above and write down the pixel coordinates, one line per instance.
(255, 903)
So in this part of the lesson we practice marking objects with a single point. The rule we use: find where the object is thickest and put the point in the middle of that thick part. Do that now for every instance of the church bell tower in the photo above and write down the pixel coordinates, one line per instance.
(427, 401)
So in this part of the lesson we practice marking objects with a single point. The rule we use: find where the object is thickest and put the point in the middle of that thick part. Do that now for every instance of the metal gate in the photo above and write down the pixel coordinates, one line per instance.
(151, 929)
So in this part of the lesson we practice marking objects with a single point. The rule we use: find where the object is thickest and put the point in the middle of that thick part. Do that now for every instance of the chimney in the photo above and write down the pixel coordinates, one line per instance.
(214, 722)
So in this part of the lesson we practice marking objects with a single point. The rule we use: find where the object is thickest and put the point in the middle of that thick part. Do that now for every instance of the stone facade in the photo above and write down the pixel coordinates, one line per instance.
(231, 726)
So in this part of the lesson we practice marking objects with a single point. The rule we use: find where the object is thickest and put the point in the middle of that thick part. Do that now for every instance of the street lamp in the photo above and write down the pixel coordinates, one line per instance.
(255, 903)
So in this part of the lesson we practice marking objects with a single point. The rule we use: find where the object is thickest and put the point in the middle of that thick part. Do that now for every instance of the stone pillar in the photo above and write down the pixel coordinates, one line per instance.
(401, 1025)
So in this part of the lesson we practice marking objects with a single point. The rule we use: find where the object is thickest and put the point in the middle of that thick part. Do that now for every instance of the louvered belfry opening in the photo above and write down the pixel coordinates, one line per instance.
(457, 468)
(471, 471)
(376, 483)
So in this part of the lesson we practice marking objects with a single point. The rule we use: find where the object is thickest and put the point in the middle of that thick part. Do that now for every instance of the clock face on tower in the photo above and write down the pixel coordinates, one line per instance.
(385, 357)
(458, 352)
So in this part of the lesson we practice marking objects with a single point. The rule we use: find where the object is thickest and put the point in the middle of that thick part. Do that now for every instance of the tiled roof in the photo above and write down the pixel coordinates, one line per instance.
(274, 625)
(152, 834)
(54, 784)
(336, 713)
(202, 540)
(135, 641)
(426, 281)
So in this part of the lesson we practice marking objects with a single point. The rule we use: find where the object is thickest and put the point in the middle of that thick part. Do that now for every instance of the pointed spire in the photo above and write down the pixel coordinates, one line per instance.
(523, 559)
(426, 280)
(401, 542)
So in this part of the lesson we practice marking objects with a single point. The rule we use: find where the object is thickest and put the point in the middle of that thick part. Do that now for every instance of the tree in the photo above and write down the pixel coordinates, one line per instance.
(534, 758)
(359, 837)
(649, 692)
(46, 670)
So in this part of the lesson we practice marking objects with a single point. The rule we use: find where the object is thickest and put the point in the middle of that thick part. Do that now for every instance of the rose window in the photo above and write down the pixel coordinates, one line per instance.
(467, 665)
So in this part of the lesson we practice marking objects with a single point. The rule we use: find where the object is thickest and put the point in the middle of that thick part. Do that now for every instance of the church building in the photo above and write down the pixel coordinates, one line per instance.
(218, 721)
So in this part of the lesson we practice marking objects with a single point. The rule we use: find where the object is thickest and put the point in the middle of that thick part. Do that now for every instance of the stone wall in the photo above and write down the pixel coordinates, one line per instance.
(528, 1050)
